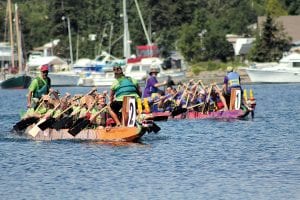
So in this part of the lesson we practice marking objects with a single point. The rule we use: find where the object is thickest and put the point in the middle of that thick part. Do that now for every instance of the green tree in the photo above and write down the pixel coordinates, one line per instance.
(271, 44)
(275, 9)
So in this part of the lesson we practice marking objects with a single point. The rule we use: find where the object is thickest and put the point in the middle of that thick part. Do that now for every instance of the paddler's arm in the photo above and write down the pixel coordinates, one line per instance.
(160, 84)
(55, 94)
(29, 99)
(33, 86)
(111, 95)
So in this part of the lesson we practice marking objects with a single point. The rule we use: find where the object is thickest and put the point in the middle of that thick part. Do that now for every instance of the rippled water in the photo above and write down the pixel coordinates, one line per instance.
(196, 159)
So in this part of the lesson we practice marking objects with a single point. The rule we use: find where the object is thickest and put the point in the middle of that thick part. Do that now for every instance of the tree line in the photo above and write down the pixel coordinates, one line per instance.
(196, 28)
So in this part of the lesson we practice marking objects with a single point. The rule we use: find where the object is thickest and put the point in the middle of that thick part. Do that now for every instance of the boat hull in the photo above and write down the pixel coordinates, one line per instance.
(126, 134)
(63, 79)
(230, 114)
(97, 79)
(16, 82)
(274, 76)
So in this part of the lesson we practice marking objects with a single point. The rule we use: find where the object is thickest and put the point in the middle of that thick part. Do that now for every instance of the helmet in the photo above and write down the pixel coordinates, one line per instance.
(44, 68)
(229, 69)
(153, 70)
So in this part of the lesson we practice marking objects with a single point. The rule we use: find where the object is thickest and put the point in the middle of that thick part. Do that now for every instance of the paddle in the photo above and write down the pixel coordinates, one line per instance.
(84, 123)
(24, 123)
(35, 130)
(80, 119)
(67, 122)
(206, 103)
(50, 121)
(196, 105)
(155, 128)
(222, 98)
(179, 109)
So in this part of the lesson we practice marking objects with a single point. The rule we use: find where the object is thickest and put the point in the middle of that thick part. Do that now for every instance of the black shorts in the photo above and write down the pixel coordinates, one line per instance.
(116, 106)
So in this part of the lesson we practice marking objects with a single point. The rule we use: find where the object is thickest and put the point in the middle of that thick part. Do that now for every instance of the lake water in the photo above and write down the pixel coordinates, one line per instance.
(198, 159)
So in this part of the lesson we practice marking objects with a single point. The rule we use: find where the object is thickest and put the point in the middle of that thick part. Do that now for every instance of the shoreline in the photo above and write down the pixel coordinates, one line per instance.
(217, 76)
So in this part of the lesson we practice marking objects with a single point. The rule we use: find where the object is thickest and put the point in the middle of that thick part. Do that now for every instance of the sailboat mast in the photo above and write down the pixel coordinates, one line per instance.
(143, 23)
(19, 44)
(126, 37)
(11, 33)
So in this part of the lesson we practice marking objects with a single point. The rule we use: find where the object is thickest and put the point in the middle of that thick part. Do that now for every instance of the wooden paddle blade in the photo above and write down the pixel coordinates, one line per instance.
(35, 130)
(79, 127)
(47, 124)
(24, 123)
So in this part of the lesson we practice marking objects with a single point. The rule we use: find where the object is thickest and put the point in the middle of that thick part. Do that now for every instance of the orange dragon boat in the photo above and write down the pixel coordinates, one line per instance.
(126, 134)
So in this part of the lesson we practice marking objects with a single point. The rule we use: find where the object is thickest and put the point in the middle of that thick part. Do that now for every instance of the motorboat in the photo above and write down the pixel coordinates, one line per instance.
(139, 66)
(286, 71)
(60, 73)
(98, 72)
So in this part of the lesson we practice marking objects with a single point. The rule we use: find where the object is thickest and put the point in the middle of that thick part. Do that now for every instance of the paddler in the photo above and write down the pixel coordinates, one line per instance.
(100, 120)
(46, 105)
(152, 84)
(38, 87)
(231, 80)
(122, 86)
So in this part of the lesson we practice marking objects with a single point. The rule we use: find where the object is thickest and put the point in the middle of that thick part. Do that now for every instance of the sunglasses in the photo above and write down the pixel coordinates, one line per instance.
(45, 72)
(117, 68)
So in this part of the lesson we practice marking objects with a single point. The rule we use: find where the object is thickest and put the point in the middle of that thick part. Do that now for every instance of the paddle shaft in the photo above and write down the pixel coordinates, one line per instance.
(207, 99)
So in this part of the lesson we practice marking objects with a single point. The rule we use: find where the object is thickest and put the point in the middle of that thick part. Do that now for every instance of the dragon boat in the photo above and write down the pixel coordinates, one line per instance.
(236, 110)
(132, 129)
(126, 134)
(229, 114)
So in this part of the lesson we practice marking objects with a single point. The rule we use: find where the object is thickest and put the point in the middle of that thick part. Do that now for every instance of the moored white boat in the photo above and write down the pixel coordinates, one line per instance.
(60, 73)
(64, 78)
(286, 71)
(96, 79)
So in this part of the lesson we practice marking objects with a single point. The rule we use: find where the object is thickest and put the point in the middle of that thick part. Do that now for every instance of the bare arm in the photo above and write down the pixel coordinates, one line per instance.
(111, 96)
(160, 84)
(29, 99)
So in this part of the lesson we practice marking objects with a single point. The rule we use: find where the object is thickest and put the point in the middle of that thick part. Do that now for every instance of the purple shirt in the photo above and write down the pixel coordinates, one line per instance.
(150, 88)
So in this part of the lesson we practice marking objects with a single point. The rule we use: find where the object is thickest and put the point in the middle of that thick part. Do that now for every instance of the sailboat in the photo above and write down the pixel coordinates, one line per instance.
(20, 80)
(147, 56)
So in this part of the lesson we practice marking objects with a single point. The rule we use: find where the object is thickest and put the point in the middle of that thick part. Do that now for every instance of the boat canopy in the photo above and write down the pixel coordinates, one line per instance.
(49, 60)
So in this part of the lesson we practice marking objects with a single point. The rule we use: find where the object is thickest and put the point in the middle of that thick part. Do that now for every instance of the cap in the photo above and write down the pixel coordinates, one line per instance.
(229, 69)
(153, 70)
(44, 68)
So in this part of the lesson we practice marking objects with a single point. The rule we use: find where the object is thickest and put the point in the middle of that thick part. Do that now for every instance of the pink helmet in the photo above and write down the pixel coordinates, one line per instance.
(44, 68)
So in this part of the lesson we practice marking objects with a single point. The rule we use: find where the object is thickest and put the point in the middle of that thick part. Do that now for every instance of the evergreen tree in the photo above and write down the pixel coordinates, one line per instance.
(271, 44)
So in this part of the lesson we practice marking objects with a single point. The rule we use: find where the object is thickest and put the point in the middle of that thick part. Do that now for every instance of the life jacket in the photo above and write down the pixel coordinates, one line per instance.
(43, 87)
(233, 80)
(126, 87)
